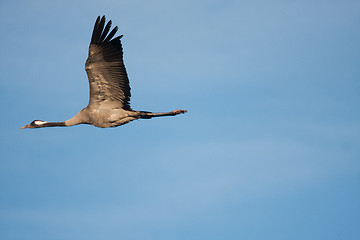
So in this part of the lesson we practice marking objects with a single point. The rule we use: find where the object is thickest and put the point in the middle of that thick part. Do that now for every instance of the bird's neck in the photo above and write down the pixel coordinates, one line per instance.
(79, 118)
(54, 124)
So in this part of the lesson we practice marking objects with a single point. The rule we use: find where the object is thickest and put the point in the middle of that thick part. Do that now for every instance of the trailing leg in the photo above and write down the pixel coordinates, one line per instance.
(162, 114)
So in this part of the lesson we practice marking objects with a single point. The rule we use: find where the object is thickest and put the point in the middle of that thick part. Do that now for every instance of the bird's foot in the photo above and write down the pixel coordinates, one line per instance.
(176, 112)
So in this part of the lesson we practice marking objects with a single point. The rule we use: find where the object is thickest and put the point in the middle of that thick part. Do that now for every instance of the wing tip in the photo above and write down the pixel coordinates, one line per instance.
(100, 32)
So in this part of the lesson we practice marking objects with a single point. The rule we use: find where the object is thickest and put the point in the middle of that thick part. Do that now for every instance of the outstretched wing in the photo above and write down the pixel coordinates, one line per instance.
(108, 80)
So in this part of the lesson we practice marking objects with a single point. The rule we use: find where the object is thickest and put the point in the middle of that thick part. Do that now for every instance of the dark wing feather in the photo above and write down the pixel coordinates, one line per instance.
(108, 80)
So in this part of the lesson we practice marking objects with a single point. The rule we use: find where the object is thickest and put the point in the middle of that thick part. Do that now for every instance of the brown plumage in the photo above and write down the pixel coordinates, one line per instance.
(109, 103)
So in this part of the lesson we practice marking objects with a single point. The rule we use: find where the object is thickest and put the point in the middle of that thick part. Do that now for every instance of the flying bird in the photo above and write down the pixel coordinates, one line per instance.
(109, 103)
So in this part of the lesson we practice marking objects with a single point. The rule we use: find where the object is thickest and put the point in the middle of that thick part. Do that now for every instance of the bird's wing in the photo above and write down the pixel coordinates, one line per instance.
(108, 80)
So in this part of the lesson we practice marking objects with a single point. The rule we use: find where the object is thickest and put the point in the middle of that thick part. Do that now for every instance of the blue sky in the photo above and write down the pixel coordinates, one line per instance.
(269, 148)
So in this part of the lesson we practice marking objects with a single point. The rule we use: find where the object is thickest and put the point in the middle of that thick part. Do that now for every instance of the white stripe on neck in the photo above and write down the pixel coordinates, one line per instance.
(38, 122)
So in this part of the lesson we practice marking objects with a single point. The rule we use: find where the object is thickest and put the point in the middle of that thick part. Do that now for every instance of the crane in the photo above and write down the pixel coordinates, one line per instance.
(109, 102)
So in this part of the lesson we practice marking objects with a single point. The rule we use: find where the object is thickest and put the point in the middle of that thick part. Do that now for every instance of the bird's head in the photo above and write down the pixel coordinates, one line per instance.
(35, 124)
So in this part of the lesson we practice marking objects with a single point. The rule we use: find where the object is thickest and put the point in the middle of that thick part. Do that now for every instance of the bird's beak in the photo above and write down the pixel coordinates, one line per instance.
(27, 126)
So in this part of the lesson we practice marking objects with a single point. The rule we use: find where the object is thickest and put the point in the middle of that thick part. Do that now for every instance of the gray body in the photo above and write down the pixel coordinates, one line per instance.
(109, 101)
(105, 117)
